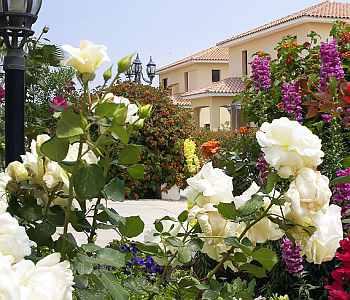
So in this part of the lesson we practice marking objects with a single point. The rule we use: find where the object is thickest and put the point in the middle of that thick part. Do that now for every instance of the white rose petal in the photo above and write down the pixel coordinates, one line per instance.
(4, 180)
(288, 146)
(49, 279)
(89, 157)
(17, 171)
(9, 285)
(86, 59)
(210, 186)
(308, 194)
(14, 241)
(323, 244)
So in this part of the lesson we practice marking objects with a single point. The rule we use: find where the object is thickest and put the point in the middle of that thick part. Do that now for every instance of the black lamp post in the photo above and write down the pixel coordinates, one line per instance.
(135, 71)
(16, 20)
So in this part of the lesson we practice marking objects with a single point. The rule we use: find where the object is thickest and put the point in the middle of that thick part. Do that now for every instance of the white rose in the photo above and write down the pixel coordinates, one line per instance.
(17, 171)
(323, 244)
(14, 241)
(35, 166)
(209, 186)
(48, 279)
(133, 109)
(86, 59)
(308, 194)
(54, 175)
(89, 157)
(264, 230)
(9, 285)
(214, 230)
(4, 180)
(289, 146)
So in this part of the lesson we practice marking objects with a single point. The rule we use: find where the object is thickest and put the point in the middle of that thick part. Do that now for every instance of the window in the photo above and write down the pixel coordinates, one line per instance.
(165, 83)
(245, 63)
(186, 81)
(215, 75)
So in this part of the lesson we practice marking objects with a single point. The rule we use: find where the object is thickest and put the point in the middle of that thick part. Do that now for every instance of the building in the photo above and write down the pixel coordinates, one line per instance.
(194, 82)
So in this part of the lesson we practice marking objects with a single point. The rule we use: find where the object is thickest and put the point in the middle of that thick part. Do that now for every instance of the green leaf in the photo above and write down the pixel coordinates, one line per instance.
(346, 162)
(110, 257)
(340, 180)
(130, 155)
(55, 149)
(184, 255)
(119, 133)
(133, 227)
(251, 206)
(83, 264)
(272, 179)
(116, 291)
(114, 190)
(114, 217)
(182, 218)
(266, 257)
(120, 115)
(90, 248)
(88, 181)
(106, 109)
(256, 271)
(69, 125)
(228, 210)
(137, 171)
(233, 241)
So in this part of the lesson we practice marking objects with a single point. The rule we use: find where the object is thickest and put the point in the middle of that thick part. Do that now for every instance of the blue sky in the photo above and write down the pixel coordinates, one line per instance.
(165, 29)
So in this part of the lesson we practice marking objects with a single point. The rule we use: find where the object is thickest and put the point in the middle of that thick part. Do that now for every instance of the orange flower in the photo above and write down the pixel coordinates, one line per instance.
(210, 148)
(243, 130)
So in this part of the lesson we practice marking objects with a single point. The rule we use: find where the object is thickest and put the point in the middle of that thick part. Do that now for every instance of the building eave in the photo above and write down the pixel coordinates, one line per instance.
(277, 28)
(189, 63)
(209, 94)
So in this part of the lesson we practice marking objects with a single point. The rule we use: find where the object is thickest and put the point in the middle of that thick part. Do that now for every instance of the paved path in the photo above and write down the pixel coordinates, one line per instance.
(148, 210)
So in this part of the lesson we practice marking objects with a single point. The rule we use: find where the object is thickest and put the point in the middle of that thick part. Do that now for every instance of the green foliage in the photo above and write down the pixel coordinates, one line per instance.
(161, 137)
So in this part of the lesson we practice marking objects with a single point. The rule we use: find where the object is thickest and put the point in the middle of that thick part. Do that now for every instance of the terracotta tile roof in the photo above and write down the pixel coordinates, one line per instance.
(325, 9)
(232, 85)
(213, 54)
(181, 101)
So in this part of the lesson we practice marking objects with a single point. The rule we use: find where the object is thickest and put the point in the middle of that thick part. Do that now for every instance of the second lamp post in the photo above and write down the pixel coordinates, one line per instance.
(135, 71)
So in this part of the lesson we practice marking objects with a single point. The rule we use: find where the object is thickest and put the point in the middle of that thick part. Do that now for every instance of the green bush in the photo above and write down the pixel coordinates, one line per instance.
(162, 138)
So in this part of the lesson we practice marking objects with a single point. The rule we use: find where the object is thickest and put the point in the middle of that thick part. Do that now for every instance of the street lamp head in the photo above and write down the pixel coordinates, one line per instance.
(16, 20)
(137, 66)
(129, 72)
(151, 69)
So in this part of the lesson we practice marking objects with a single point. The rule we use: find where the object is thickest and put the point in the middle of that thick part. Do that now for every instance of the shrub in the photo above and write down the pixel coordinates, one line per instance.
(162, 137)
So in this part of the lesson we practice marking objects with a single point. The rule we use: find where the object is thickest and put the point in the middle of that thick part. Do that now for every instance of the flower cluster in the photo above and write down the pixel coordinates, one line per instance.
(341, 192)
(331, 66)
(339, 289)
(292, 256)
(21, 278)
(192, 161)
(292, 100)
(147, 263)
(261, 74)
(292, 150)
(263, 168)
(42, 172)
(210, 148)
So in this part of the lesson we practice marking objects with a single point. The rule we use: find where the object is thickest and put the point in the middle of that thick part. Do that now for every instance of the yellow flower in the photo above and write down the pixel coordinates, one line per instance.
(192, 160)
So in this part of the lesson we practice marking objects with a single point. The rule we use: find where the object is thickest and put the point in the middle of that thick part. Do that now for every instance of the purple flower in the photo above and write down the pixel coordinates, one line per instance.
(59, 103)
(152, 266)
(331, 66)
(291, 256)
(261, 73)
(292, 100)
(2, 94)
(341, 192)
(137, 261)
(263, 168)
(327, 118)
